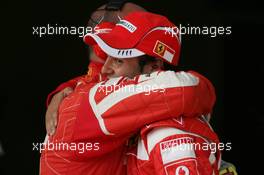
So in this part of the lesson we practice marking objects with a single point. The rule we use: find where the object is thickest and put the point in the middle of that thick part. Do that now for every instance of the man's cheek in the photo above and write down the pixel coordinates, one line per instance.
(124, 72)
(119, 73)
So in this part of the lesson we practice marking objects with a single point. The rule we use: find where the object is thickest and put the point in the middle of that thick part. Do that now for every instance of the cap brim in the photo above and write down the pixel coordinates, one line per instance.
(91, 39)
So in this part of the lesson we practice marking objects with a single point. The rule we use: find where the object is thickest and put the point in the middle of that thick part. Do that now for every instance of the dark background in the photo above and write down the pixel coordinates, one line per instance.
(31, 67)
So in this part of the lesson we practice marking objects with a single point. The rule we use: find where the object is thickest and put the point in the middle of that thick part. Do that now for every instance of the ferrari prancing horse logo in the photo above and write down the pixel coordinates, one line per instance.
(160, 48)
(164, 51)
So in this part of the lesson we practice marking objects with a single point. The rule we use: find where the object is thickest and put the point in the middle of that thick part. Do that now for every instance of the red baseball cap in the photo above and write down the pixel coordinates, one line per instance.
(104, 27)
(140, 33)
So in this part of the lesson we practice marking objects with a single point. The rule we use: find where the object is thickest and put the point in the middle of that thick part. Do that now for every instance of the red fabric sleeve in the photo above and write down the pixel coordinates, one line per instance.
(147, 99)
(109, 112)
(71, 83)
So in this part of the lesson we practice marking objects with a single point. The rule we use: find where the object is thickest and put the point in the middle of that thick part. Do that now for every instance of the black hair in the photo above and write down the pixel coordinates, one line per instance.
(114, 5)
(107, 12)
(143, 60)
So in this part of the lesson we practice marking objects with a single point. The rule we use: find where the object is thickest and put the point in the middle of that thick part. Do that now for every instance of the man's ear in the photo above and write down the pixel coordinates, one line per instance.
(153, 66)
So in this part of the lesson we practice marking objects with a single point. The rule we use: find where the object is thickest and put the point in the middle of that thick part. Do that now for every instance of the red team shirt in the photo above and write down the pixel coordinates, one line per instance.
(105, 115)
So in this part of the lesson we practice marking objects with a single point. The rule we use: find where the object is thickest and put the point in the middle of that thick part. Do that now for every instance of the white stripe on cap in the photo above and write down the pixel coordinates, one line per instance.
(167, 31)
(117, 53)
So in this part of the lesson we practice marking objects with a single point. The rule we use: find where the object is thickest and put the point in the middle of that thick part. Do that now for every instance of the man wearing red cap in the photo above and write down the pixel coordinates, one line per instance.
(156, 151)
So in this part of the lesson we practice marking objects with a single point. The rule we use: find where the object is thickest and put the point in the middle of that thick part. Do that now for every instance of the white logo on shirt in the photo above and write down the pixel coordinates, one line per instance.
(182, 170)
